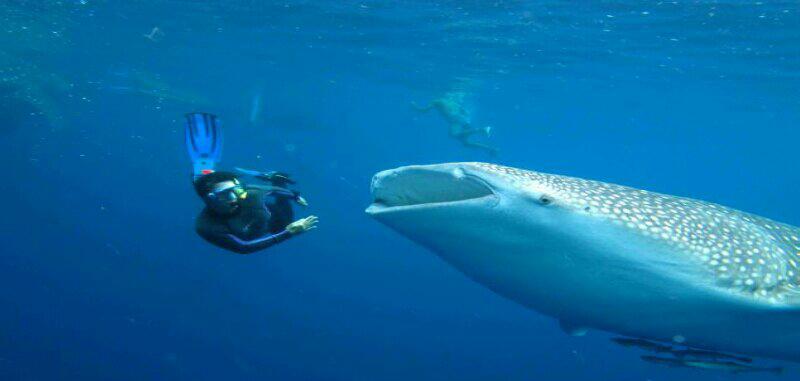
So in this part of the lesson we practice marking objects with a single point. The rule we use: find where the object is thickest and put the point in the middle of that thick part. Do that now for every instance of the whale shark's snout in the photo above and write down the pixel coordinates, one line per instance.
(416, 188)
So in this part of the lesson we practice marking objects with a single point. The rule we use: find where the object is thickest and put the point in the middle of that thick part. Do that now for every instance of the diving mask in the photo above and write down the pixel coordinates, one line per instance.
(228, 191)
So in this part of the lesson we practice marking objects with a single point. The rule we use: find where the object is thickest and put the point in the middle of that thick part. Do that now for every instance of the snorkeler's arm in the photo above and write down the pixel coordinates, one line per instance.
(268, 189)
(275, 177)
(220, 236)
(247, 247)
(280, 191)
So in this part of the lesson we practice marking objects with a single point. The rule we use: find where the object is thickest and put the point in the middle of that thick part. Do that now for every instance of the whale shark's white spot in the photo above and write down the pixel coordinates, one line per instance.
(706, 231)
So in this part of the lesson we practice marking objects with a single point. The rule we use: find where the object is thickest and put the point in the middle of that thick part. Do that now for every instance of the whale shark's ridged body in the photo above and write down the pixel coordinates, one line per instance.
(607, 256)
(748, 254)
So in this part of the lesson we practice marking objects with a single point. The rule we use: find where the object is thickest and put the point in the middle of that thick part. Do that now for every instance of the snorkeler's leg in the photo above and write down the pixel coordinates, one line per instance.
(455, 130)
(461, 130)
(492, 151)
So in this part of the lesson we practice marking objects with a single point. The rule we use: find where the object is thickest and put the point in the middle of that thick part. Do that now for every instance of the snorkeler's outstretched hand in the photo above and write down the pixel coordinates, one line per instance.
(303, 225)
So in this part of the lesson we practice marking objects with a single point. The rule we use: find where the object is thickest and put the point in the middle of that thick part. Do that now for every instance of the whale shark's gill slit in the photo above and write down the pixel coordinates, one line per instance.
(424, 187)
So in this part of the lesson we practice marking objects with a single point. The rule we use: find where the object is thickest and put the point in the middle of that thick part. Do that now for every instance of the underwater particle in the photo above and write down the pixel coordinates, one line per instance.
(678, 339)
(154, 35)
(255, 108)
(289, 147)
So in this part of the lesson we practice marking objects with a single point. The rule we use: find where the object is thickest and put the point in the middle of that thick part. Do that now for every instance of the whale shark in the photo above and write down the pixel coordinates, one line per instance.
(605, 256)
(28, 92)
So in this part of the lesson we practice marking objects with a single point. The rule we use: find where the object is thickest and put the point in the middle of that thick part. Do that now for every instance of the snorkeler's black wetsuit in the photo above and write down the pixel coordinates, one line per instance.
(259, 222)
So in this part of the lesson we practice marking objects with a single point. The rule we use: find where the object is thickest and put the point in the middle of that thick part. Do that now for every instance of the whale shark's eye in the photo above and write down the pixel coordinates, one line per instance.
(545, 199)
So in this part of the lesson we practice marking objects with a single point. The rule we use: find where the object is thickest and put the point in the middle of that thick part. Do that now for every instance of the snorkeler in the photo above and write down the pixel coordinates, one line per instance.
(451, 107)
(238, 217)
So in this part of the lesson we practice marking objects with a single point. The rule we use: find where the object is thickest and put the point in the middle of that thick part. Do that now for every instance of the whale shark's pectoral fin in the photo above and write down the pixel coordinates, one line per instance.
(572, 329)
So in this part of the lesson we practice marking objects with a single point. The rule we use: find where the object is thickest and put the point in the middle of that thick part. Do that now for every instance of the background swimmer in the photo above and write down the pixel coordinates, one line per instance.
(451, 107)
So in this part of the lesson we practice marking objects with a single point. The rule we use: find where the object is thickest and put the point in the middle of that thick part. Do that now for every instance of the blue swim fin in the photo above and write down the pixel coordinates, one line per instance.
(203, 141)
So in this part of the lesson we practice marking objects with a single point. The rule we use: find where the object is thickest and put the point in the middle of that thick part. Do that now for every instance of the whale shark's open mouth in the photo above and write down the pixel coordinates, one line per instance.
(418, 187)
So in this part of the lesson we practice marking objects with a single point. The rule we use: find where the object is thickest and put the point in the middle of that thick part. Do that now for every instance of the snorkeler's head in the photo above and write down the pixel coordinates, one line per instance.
(221, 191)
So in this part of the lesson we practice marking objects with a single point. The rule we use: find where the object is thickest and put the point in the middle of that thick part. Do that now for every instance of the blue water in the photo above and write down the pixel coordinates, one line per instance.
(103, 277)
